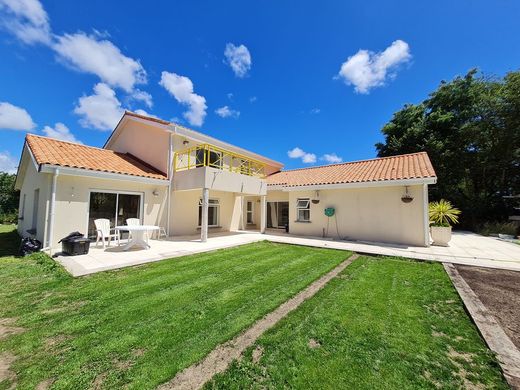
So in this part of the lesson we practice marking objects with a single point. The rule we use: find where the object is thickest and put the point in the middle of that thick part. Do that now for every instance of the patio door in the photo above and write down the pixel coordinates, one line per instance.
(277, 214)
(114, 206)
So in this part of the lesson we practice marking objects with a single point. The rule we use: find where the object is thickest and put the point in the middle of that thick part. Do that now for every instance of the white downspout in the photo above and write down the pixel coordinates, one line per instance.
(52, 208)
(170, 178)
(426, 216)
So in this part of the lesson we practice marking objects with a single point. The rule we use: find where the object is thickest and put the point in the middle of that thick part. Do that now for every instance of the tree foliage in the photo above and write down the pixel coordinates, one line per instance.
(470, 128)
(8, 198)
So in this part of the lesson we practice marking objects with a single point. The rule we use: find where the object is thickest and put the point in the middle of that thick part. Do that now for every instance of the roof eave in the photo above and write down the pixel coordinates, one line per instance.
(71, 171)
(368, 184)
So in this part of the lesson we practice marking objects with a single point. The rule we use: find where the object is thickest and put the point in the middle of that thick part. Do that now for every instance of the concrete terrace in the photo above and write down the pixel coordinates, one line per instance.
(465, 248)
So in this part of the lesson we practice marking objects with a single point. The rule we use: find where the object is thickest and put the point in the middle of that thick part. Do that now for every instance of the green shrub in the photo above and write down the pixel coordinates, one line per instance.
(9, 218)
(494, 228)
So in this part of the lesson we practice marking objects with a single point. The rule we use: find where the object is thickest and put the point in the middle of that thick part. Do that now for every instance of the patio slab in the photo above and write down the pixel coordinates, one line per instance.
(465, 248)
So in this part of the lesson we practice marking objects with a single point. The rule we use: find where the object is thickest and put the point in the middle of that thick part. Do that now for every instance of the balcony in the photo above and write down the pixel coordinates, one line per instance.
(208, 166)
(206, 155)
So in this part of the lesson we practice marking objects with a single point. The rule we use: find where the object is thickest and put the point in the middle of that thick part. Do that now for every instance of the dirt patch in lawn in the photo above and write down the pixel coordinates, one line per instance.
(7, 329)
(6, 359)
(499, 291)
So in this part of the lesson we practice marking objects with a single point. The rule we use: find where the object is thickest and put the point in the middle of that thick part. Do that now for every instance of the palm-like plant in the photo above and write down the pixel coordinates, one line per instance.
(442, 213)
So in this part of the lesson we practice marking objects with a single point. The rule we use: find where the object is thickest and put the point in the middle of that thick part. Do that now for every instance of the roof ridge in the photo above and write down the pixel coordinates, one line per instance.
(350, 162)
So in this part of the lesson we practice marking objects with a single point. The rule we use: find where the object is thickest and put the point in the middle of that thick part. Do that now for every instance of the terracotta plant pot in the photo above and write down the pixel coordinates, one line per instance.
(441, 235)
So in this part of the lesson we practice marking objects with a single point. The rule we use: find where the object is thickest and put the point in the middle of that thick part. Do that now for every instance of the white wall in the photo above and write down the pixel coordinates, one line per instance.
(33, 180)
(73, 195)
(371, 214)
(185, 211)
(146, 142)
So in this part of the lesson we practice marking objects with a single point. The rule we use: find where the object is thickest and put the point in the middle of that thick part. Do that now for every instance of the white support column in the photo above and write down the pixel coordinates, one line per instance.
(204, 222)
(263, 213)
(426, 216)
(241, 225)
(52, 212)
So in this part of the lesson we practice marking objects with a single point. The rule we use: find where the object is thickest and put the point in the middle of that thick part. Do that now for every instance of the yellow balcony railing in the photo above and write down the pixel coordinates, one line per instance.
(206, 155)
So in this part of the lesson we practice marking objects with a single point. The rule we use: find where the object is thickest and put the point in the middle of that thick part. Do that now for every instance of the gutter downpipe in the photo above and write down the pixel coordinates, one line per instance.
(52, 208)
(170, 178)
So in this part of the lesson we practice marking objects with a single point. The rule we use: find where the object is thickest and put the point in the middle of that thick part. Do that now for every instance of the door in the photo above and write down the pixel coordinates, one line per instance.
(249, 212)
(114, 206)
(277, 214)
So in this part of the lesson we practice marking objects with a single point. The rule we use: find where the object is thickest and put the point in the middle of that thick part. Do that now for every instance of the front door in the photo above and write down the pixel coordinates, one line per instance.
(114, 206)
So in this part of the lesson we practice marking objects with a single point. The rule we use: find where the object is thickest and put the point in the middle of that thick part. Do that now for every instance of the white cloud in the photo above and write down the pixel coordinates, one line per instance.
(307, 158)
(142, 96)
(90, 54)
(101, 110)
(230, 96)
(15, 118)
(252, 99)
(7, 163)
(26, 19)
(226, 112)
(239, 58)
(144, 113)
(366, 70)
(61, 132)
(315, 110)
(332, 158)
(181, 88)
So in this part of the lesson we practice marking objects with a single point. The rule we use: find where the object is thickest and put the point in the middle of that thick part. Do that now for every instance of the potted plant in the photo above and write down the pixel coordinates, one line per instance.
(442, 216)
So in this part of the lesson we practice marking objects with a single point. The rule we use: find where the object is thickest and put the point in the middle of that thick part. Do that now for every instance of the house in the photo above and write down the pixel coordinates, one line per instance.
(190, 183)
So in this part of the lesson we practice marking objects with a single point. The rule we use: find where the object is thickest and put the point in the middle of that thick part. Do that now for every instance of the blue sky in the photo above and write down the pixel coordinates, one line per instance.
(323, 77)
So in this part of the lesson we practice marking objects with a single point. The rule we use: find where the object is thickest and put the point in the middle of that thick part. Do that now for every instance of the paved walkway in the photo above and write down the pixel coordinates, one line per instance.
(465, 248)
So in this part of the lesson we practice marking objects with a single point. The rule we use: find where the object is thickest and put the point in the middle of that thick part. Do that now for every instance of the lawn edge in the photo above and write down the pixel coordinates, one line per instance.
(497, 340)
(221, 357)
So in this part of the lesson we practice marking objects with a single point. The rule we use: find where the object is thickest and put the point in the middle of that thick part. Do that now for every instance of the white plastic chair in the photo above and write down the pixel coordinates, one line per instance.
(103, 231)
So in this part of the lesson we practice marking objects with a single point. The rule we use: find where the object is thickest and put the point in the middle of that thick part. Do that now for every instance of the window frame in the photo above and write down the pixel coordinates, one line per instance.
(212, 202)
(300, 208)
(250, 212)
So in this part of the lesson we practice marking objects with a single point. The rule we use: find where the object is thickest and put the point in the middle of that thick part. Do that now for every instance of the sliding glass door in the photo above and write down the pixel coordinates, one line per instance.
(277, 214)
(114, 206)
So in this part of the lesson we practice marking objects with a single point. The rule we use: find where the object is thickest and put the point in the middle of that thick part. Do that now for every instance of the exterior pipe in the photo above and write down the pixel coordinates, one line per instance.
(52, 208)
(170, 178)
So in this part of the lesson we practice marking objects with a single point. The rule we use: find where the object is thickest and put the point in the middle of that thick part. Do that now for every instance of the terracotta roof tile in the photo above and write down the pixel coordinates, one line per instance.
(406, 166)
(67, 154)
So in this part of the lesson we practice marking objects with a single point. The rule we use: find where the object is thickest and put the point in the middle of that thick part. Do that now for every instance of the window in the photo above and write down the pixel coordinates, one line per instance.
(249, 212)
(36, 202)
(115, 206)
(208, 158)
(303, 210)
(213, 212)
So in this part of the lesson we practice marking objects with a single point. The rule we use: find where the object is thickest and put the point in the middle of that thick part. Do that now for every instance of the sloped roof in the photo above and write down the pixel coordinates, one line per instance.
(68, 154)
(406, 166)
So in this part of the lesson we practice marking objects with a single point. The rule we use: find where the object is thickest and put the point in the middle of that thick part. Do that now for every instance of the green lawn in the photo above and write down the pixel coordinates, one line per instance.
(139, 326)
(382, 324)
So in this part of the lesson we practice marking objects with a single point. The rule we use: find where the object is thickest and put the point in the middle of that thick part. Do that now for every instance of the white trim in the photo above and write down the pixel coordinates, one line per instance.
(426, 216)
(382, 183)
(68, 171)
(307, 208)
(217, 205)
(117, 192)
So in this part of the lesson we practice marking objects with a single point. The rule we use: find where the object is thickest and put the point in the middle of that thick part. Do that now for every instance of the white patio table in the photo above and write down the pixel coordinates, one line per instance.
(138, 232)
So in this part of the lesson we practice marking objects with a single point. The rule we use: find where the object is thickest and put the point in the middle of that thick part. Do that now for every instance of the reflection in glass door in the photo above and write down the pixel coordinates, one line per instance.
(116, 207)
(277, 214)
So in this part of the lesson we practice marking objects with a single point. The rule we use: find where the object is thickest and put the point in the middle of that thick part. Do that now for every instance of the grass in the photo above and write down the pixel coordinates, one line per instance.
(139, 326)
(382, 324)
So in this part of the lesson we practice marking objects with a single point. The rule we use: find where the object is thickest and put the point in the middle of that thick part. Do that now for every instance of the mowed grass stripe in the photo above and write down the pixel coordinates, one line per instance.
(156, 319)
(383, 324)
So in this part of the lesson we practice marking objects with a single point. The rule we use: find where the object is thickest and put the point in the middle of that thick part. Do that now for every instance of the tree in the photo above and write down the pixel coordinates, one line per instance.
(8, 196)
(470, 128)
